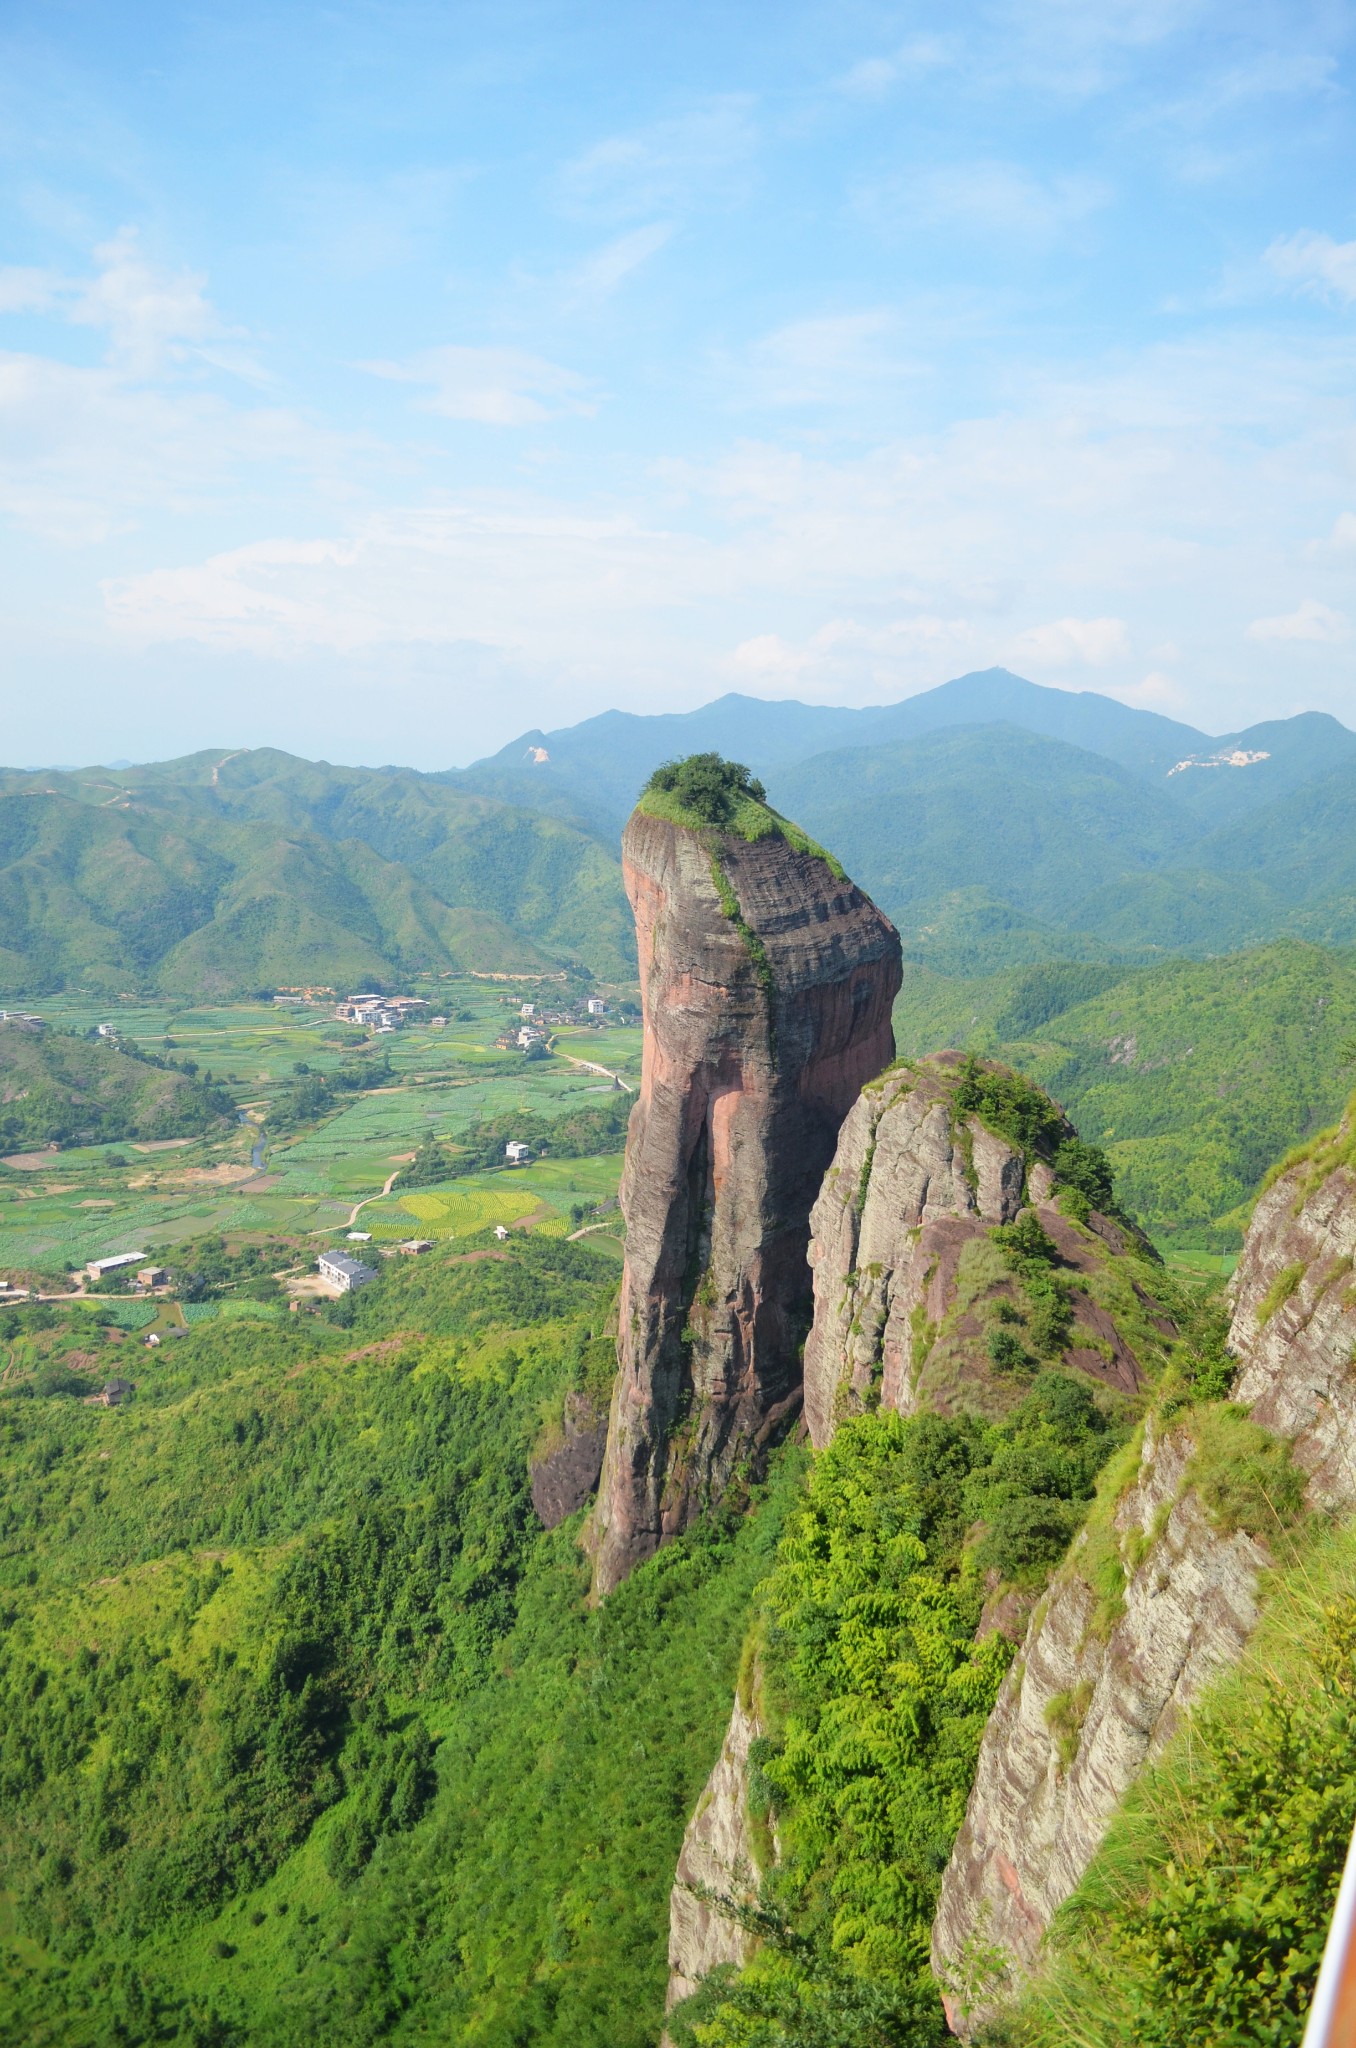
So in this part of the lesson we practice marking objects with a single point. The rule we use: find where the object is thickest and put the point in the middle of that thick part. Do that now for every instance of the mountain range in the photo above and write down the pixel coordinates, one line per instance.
(996, 821)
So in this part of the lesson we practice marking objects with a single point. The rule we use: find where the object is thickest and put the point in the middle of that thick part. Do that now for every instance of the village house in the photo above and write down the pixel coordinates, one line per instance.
(116, 1392)
(343, 1272)
(97, 1268)
(517, 1154)
(153, 1276)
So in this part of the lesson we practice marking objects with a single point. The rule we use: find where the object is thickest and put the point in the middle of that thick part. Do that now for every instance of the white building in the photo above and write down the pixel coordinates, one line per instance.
(500, 1232)
(528, 1010)
(343, 1272)
(98, 1267)
(597, 1007)
(517, 1154)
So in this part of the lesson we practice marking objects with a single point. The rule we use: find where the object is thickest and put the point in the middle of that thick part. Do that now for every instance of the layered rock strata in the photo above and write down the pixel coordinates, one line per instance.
(1088, 1702)
(767, 984)
(718, 1861)
(1294, 1320)
(905, 1282)
(1083, 1710)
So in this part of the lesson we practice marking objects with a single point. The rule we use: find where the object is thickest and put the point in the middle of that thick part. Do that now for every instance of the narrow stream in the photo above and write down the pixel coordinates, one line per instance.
(257, 1155)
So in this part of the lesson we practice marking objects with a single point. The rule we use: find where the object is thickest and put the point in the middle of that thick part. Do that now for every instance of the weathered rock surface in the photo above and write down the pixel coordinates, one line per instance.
(1083, 1708)
(563, 1477)
(757, 1042)
(717, 1861)
(1294, 1321)
(1079, 1717)
(903, 1276)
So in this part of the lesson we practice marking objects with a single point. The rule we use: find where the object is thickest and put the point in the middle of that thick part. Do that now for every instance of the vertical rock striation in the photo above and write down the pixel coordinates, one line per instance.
(906, 1284)
(1091, 1701)
(767, 983)
(1092, 1698)
(1294, 1322)
(719, 1860)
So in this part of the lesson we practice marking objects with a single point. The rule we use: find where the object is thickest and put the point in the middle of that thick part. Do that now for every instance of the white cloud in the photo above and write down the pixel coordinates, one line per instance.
(1315, 264)
(1091, 641)
(1311, 621)
(666, 167)
(829, 360)
(600, 274)
(500, 387)
(988, 198)
(875, 76)
(26, 290)
(1156, 692)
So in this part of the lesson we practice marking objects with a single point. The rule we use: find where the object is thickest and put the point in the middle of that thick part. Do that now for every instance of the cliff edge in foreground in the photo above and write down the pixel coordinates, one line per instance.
(767, 980)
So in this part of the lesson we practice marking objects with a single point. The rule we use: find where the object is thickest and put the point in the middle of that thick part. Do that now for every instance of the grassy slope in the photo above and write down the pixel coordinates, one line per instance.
(1193, 1075)
(55, 1085)
(232, 1611)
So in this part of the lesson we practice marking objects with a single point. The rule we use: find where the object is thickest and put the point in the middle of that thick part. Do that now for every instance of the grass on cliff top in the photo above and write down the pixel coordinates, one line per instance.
(704, 792)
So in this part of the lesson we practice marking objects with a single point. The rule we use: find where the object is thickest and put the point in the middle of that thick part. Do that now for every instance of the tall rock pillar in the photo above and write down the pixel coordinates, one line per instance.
(767, 981)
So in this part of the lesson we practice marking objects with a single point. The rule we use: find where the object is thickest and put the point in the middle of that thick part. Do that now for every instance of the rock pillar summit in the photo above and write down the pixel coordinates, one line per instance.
(767, 981)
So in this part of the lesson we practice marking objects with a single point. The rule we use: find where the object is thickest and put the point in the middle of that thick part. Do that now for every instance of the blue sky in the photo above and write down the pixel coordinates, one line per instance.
(380, 381)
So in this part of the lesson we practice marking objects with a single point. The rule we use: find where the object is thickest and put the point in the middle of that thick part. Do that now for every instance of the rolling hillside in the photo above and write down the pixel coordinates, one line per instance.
(57, 1087)
(1193, 1075)
(282, 871)
(999, 823)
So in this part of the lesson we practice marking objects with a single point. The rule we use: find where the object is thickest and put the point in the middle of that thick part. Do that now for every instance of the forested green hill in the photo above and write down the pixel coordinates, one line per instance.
(55, 1087)
(1194, 1075)
(306, 1731)
(286, 872)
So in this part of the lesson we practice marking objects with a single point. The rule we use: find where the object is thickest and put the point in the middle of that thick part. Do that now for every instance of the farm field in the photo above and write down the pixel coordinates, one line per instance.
(61, 1209)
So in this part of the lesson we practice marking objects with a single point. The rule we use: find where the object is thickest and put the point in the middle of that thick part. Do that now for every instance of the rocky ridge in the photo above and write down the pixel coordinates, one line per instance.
(767, 982)
(719, 1861)
(908, 1282)
(1089, 1704)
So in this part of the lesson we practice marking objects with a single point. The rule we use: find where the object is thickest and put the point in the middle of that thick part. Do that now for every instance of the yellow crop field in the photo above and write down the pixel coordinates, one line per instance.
(460, 1211)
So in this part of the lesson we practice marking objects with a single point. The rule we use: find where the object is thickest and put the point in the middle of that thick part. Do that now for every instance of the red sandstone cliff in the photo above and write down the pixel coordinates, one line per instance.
(767, 985)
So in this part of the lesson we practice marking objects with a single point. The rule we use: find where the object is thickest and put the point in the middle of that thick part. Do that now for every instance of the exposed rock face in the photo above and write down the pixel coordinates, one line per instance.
(1294, 1323)
(1079, 1717)
(563, 1477)
(1082, 1710)
(757, 1042)
(718, 1856)
(903, 1276)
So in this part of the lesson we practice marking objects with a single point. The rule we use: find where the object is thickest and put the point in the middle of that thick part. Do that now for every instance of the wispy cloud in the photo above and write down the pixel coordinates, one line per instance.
(990, 199)
(833, 359)
(1311, 621)
(1092, 642)
(154, 318)
(874, 77)
(499, 387)
(667, 167)
(1315, 264)
(599, 275)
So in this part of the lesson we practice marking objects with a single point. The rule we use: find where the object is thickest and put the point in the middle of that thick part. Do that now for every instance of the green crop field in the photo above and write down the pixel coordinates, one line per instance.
(265, 1175)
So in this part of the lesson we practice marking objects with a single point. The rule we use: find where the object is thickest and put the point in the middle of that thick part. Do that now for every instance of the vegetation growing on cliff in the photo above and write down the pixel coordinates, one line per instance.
(704, 792)
(1203, 1917)
(875, 1691)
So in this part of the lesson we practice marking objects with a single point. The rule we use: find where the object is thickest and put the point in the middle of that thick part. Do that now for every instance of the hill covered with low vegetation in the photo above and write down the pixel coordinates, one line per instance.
(56, 1088)
(1193, 1075)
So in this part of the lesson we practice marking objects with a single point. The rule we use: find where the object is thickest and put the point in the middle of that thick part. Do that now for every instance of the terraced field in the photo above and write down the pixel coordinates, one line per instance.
(60, 1209)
